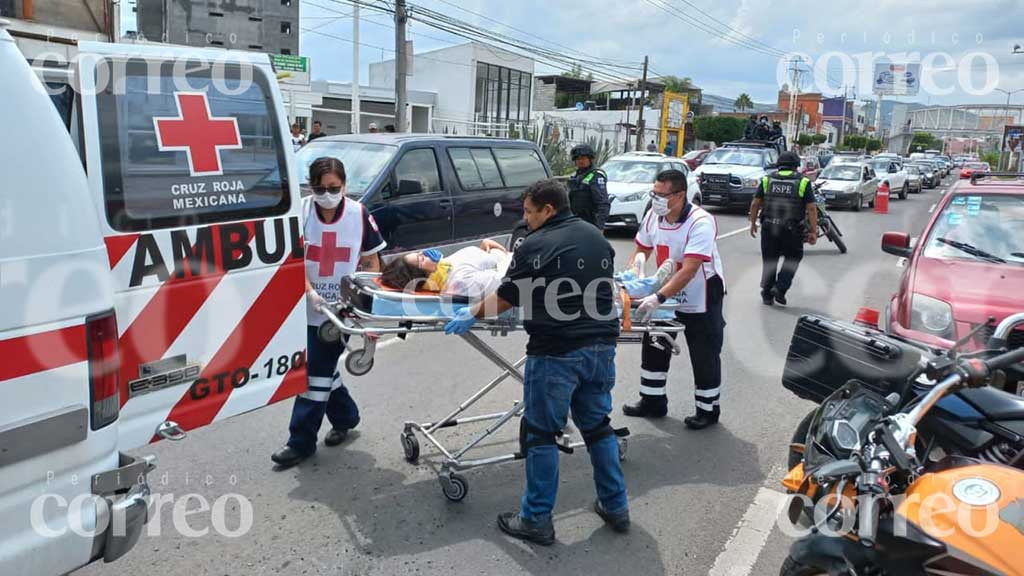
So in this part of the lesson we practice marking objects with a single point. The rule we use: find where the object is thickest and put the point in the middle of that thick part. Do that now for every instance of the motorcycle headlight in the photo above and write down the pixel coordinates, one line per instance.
(931, 315)
(750, 182)
(635, 196)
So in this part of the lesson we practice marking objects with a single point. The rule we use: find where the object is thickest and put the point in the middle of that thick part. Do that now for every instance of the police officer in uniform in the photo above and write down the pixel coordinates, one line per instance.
(785, 205)
(588, 188)
(676, 231)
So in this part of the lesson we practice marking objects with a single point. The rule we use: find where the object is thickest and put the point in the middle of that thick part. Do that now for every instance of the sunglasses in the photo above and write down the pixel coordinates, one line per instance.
(669, 195)
(321, 190)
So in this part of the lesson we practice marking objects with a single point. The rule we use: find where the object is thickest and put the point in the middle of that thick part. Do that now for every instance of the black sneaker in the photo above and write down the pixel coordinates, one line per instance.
(287, 457)
(514, 525)
(701, 420)
(767, 298)
(646, 409)
(780, 297)
(335, 437)
(618, 521)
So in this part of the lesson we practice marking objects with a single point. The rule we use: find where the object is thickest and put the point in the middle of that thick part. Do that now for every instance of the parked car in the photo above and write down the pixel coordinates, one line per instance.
(695, 158)
(914, 178)
(848, 185)
(968, 267)
(425, 190)
(810, 167)
(730, 175)
(630, 182)
(891, 173)
(849, 158)
(972, 168)
(930, 177)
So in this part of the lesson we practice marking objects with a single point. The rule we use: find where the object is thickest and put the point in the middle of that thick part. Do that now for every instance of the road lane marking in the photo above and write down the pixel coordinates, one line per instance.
(750, 535)
(932, 209)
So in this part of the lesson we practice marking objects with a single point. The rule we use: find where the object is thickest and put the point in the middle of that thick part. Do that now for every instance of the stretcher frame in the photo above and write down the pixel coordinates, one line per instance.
(346, 317)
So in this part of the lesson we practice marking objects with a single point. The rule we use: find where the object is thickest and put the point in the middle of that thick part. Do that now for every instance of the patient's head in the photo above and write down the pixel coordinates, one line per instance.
(408, 272)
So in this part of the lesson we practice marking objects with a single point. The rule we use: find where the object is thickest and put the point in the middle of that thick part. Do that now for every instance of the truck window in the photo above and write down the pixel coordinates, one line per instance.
(180, 151)
(418, 167)
(520, 166)
(476, 168)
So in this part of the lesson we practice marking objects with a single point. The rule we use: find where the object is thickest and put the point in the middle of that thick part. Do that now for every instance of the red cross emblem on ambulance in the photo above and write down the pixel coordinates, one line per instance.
(329, 254)
(196, 133)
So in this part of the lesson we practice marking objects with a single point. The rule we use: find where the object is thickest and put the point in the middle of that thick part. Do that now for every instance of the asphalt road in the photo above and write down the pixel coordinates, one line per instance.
(361, 509)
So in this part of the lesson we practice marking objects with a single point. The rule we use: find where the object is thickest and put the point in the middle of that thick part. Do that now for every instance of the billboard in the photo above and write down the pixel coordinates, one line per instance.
(896, 79)
(291, 69)
(1013, 139)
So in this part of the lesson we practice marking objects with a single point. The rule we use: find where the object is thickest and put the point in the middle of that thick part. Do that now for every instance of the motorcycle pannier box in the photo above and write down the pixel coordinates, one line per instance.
(826, 354)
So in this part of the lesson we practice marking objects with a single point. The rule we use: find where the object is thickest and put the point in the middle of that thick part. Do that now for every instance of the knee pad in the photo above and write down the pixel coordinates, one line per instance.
(602, 431)
(530, 436)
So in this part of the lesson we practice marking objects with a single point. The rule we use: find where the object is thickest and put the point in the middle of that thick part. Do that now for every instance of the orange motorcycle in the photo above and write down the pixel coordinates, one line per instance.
(874, 509)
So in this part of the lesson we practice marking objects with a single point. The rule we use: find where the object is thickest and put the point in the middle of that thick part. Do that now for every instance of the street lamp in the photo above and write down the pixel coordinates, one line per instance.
(1008, 93)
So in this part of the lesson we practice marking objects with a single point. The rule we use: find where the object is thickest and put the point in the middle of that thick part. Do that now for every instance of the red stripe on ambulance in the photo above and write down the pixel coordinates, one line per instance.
(43, 351)
(118, 246)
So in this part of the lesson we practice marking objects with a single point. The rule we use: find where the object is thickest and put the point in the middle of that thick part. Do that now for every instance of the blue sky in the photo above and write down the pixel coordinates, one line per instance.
(627, 30)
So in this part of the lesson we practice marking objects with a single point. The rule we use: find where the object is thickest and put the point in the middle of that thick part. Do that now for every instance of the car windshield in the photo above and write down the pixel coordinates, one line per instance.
(631, 172)
(977, 166)
(880, 165)
(736, 156)
(913, 170)
(363, 162)
(692, 154)
(985, 227)
(849, 172)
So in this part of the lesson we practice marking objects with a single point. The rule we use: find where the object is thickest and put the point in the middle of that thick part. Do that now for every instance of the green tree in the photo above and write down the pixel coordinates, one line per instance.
(924, 141)
(873, 144)
(743, 102)
(575, 72)
(992, 158)
(819, 138)
(718, 129)
(804, 140)
(855, 142)
(676, 84)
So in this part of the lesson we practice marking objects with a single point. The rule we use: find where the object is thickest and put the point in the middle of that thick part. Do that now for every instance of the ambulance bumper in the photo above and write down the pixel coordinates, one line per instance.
(126, 493)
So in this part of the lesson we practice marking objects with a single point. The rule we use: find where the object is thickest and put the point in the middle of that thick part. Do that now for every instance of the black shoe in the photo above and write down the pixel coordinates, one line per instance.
(618, 521)
(646, 409)
(335, 437)
(701, 420)
(767, 298)
(287, 457)
(780, 297)
(512, 523)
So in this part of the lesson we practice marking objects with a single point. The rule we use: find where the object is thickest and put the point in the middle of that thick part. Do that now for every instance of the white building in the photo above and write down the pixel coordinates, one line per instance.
(376, 106)
(479, 89)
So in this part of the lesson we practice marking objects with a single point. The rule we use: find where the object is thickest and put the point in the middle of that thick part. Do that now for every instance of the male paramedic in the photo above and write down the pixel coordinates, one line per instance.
(341, 236)
(678, 231)
(561, 276)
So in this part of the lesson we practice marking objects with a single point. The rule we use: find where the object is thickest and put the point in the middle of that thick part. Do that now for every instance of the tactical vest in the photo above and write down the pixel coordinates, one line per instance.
(784, 205)
(581, 198)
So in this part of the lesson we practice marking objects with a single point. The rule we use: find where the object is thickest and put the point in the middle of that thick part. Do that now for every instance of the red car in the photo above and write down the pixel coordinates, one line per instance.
(972, 168)
(695, 158)
(967, 267)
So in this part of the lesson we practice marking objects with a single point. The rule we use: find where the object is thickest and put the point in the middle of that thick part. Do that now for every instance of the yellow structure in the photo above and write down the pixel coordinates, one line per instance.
(674, 111)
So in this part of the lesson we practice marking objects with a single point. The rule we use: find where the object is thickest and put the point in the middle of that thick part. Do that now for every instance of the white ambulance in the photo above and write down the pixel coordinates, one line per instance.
(157, 290)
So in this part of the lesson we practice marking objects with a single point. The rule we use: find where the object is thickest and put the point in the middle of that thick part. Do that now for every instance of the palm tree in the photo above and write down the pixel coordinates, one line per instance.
(676, 84)
(743, 102)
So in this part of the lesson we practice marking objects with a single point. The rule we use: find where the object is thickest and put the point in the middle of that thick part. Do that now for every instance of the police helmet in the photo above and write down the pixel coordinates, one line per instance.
(582, 150)
(789, 159)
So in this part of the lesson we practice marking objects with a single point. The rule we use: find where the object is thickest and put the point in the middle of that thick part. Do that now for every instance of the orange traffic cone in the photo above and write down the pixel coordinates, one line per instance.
(882, 199)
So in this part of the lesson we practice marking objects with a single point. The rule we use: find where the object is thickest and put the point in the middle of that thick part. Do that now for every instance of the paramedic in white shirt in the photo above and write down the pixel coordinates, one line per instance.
(340, 237)
(675, 230)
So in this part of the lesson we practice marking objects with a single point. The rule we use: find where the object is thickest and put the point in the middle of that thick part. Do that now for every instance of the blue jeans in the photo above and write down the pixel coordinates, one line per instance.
(581, 380)
(310, 408)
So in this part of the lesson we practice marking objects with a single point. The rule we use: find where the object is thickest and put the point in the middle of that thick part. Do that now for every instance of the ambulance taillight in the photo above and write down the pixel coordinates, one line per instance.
(104, 365)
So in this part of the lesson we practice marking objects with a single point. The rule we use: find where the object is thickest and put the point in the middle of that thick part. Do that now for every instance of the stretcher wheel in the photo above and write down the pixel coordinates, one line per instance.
(454, 487)
(411, 447)
(623, 448)
(329, 333)
(358, 362)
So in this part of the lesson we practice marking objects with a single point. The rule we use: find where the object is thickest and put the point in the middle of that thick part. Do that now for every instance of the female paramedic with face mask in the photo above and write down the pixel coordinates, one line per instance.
(340, 237)
(683, 235)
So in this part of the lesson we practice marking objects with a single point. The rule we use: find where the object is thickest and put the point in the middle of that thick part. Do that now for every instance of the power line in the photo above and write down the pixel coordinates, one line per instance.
(730, 28)
(391, 50)
(366, 19)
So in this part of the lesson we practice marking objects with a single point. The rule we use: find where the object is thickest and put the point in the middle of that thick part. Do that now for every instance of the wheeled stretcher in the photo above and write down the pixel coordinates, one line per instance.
(368, 311)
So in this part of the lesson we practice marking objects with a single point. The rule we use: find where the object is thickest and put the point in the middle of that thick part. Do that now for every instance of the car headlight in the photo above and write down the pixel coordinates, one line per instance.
(750, 182)
(931, 315)
(635, 196)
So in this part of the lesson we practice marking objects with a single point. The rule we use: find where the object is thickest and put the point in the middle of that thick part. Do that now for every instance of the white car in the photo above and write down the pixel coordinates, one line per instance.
(848, 185)
(892, 173)
(630, 182)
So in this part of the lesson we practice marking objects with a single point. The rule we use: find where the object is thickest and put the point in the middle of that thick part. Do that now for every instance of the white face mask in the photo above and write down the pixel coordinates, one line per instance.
(328, 200)
(660, 206)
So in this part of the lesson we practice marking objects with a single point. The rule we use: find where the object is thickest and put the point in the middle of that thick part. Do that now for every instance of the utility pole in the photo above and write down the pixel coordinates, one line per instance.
(878, 117)
(356, 126)
(794, 88)
(640, 118)
(625, 145)
(842, 127)
(401, 59)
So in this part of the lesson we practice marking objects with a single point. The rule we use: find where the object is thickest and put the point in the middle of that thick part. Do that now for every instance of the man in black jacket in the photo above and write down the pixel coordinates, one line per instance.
(588, 188)
(561, 277)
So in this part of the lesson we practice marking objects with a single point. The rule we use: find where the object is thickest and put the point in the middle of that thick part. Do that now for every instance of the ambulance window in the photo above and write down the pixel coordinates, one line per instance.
(63, 99)
(198, 148)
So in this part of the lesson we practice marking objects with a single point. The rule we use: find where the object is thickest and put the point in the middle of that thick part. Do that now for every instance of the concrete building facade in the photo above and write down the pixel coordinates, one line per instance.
(270, 26)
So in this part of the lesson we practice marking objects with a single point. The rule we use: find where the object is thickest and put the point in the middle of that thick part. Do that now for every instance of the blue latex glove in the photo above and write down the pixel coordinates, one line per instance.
(434, 254)
(642, 287)
(462, 322)
(626, 275)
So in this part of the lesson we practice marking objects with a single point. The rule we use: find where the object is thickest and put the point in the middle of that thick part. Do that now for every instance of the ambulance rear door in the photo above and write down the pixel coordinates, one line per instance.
(193, 178)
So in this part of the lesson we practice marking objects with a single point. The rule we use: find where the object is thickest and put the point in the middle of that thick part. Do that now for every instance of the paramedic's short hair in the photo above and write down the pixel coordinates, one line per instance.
(325, 165)
(548, 191)
(675, 178)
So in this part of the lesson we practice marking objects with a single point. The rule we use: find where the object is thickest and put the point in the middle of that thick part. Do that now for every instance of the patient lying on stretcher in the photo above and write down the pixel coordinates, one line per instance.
(470, 272)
